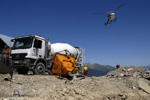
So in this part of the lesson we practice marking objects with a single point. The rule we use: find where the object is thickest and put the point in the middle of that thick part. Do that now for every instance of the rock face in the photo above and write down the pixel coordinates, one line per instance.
(125, 83)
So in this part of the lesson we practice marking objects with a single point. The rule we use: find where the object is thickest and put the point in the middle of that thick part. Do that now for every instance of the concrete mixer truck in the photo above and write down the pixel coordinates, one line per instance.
(37, 54)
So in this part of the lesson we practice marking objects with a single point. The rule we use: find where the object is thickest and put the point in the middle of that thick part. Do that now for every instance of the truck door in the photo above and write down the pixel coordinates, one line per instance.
(38, 48)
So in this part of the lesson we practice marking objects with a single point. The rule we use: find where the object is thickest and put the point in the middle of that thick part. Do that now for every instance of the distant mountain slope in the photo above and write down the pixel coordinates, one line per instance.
(98, 69)
(146, 67)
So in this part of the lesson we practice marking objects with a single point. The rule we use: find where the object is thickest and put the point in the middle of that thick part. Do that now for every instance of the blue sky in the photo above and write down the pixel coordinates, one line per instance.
(126, 42)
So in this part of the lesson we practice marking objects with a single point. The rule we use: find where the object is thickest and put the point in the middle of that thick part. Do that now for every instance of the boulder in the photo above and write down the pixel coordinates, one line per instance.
(144, 85)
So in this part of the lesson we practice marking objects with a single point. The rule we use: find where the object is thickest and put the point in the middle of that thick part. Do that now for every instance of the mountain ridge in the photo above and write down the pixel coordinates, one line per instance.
(95, 69)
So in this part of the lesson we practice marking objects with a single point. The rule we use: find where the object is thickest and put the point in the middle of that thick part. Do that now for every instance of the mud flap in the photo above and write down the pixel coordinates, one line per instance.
(4, 69)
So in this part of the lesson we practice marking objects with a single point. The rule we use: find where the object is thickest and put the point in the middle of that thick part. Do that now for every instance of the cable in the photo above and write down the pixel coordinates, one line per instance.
(114, 44)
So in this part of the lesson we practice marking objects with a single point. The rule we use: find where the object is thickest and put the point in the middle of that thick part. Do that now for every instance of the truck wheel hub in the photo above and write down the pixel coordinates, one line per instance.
(40, 69)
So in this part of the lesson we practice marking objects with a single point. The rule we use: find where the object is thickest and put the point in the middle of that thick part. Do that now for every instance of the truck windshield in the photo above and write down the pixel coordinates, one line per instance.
(23, 43)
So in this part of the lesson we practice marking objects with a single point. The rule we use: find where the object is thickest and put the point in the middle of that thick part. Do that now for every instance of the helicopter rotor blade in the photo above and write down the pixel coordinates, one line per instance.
(117, 7)
(99, 13)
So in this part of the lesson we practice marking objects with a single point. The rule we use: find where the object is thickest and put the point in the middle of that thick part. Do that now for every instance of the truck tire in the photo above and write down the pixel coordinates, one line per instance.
(39, 69)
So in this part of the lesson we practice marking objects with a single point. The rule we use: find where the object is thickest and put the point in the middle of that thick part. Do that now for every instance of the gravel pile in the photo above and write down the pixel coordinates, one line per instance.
(125, 83)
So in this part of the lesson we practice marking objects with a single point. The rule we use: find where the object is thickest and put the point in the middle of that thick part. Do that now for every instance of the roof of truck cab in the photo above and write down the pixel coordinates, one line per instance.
(31, 36)
(39, 37)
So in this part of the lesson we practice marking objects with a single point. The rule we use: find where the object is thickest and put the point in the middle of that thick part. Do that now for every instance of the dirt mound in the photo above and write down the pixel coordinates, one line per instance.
(129, 72)
(133, 77)
(126, 83)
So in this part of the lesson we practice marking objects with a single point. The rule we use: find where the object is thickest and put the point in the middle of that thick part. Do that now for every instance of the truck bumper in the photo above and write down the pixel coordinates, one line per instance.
(25, 63)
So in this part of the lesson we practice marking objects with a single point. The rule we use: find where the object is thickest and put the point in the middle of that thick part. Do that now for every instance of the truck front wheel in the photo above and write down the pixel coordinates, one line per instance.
(39, 69)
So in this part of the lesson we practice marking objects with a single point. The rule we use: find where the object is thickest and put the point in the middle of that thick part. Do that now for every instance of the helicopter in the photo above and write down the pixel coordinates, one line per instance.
(111, 15)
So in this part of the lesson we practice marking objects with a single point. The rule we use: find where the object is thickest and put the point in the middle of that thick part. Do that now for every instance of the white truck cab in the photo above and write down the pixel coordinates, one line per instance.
(30, 52)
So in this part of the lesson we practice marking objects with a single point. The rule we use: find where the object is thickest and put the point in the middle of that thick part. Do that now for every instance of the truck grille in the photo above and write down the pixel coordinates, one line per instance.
(18, 56)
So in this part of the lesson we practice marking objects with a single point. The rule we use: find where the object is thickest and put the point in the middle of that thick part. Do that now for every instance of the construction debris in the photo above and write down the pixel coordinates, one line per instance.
(125, 83)
(144, 85)
(129, 72)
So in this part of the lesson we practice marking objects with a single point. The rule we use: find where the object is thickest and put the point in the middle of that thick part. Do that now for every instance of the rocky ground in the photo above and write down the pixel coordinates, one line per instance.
(125, 83)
